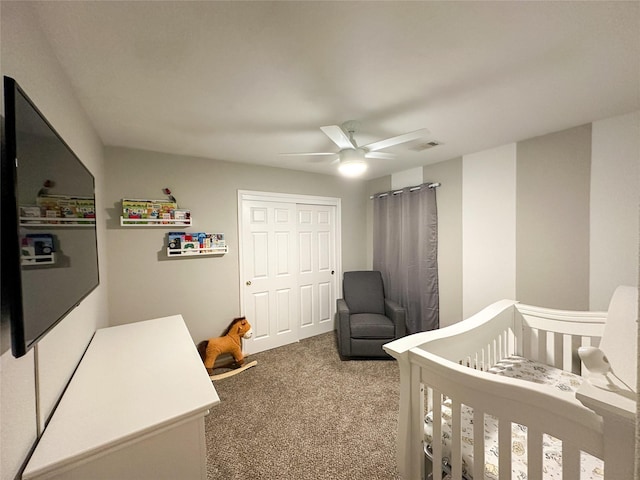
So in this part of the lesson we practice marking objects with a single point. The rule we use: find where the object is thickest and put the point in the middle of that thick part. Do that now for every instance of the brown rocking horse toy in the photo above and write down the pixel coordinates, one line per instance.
(229, 342)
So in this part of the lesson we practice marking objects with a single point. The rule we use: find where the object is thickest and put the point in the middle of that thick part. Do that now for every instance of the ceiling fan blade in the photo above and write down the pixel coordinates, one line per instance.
(386, 156)
(323, 159)
(337, 136)
(307, 154)
(390, 142)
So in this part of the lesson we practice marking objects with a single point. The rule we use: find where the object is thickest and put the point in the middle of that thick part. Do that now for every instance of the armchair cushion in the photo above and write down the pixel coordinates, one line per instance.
(364, 292)
(371, 325)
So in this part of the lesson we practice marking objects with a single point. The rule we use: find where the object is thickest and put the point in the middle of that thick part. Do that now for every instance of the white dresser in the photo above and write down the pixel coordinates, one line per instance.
(134, 409)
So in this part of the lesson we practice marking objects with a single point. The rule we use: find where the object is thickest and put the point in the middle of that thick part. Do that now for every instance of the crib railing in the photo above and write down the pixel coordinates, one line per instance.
(477, 342)
(547, 336)
(490, 353)
(537, 407)
(553, 337)
(435, 364)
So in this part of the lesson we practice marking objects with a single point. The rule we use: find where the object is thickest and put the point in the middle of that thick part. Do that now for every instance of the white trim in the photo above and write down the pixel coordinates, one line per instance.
(286, 198)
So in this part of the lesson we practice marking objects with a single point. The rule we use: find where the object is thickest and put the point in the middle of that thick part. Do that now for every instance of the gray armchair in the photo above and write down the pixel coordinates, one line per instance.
(366, 319)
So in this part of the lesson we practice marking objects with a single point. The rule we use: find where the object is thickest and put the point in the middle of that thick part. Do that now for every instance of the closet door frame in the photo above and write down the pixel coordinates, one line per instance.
(293, 199)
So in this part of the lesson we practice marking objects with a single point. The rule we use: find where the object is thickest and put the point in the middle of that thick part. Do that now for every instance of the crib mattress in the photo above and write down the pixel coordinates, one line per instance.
(522, 368)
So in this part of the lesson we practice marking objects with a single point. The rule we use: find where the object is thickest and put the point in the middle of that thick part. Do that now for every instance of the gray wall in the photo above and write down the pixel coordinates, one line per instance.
(145, 284)
(552, 219)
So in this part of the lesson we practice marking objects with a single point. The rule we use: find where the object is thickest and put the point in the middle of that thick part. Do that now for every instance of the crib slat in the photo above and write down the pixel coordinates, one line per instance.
(494, 353)
(478, 444)
(557, 350)
(534, 353)
(575, 359)
(414, 442)
(566, 353)
(504, 449)
(549, 355)
(570, 462)
(534, 453)
(526, 342)
(437, 435)
(542, 346)
(456, 444)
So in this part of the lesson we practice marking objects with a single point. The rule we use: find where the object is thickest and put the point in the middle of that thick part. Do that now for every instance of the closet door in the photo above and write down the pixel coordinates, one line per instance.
(269, 253)
(316, 263)
(289, 266)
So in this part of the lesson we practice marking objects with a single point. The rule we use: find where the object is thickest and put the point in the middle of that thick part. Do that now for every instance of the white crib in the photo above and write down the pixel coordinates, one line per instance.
(446, 374)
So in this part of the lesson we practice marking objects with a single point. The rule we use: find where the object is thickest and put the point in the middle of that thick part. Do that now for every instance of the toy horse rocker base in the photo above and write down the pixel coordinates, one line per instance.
(229, 342)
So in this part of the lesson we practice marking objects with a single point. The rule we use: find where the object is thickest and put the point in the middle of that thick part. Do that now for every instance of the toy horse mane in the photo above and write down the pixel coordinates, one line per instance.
(233, 322)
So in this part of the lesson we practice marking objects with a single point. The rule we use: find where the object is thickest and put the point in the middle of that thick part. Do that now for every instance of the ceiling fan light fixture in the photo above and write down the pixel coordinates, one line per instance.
(352, 163)
(352, 168)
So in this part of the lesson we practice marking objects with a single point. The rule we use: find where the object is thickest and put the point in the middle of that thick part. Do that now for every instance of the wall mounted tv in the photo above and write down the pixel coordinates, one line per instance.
(49, 246)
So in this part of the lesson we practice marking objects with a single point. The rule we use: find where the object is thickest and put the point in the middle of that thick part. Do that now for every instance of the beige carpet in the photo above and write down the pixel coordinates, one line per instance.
(302, 413)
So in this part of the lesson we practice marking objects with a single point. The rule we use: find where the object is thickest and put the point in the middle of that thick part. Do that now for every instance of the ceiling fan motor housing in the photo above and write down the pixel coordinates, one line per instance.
(352, 155)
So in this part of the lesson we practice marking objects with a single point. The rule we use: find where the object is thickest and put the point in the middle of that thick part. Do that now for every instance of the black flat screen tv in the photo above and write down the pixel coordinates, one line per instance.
(49, 250)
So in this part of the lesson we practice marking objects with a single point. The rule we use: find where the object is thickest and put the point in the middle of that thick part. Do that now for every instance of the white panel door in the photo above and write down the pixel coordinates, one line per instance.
(316, 268)
(269, 262)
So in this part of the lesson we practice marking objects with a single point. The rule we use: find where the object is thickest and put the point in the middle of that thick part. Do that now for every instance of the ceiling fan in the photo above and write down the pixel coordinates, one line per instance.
(351, 157)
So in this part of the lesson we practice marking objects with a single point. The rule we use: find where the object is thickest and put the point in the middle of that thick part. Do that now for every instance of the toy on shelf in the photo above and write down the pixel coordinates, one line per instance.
(229, 342)
(196, 243)
(167, 192)
(55, 209)
(152, 210)
(137, 211)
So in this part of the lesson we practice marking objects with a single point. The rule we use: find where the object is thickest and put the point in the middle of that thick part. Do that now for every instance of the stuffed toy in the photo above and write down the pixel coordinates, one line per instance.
(229, 342)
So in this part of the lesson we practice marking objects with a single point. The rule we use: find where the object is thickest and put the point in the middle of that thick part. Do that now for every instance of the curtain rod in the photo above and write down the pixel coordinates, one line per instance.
(411, 189)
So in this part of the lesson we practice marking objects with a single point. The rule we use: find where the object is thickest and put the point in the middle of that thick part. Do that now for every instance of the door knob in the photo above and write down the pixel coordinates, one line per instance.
(248, 282)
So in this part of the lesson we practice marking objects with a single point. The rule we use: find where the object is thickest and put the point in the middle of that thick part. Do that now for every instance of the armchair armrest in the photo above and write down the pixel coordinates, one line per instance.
(398, 315)
(343, 327)
(343, 308)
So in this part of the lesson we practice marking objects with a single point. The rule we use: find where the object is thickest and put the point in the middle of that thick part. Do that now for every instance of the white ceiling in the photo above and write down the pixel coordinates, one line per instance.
(245, 81)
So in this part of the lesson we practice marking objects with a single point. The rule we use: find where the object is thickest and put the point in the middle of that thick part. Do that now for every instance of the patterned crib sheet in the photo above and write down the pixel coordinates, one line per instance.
(514, 367)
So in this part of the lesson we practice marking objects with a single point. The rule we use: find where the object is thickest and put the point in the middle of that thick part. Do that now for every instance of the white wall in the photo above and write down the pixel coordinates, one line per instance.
(406, 178)
(615, 198)
(488, 227)
(27, 57)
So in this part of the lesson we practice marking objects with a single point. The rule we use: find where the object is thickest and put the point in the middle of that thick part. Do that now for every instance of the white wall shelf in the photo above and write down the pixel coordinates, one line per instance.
(56, 222)
(31, 260)
(155, 222)
(196, 252)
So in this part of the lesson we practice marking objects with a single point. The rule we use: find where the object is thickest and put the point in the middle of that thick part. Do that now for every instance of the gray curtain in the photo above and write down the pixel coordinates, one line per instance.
(405, 250)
